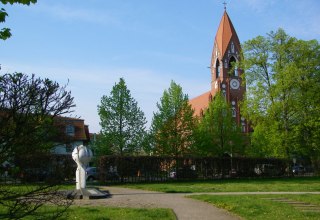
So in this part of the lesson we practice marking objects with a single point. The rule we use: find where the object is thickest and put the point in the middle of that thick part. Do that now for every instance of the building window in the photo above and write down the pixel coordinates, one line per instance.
(224, 93)
(234, 112)
(232, 47)
(70, 130)
(232, 63)
(243, 127)
(217, 69)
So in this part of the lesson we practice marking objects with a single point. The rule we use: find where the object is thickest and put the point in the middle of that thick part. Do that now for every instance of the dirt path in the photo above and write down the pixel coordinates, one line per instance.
(184, 208)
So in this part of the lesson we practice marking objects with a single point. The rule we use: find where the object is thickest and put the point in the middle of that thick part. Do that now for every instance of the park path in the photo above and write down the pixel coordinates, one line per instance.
(184, 208)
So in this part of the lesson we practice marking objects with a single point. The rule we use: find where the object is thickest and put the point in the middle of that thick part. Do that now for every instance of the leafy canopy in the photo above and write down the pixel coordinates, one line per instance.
(217, 131)
(172, 126)
(282, 76)
(122, 122)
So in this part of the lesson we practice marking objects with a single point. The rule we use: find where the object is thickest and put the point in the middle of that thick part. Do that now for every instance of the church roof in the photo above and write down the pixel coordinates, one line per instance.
(224, 34)
(200, 103)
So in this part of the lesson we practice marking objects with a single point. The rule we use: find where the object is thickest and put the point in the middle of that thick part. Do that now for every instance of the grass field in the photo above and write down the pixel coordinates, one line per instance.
(307, 184)
(92, 213)
(107, 213)
(259, 207)
(245, 206)
(103, 213)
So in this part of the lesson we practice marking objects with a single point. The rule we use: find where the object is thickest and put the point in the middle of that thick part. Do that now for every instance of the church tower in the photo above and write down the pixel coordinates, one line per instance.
(225, 75)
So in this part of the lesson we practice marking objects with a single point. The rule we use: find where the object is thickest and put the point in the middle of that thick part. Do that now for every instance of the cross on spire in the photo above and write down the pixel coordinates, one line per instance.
(225, 5)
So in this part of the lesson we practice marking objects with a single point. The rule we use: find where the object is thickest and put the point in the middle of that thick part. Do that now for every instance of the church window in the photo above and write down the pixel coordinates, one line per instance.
(232, 47)
(217, 68)
(224, 93)
(233, 63)
(244, 127)
(234, 112)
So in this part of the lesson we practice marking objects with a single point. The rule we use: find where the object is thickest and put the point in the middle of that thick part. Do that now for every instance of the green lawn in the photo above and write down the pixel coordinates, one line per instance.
(104, 213)
(306, 184)
(92, 213)
(258, 207)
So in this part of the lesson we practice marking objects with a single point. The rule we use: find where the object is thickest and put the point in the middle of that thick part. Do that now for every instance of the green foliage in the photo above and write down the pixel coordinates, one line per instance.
(282, 75)
(27, 108)
(5, 32)
(172, 126)
(122, 122)
(217, 131)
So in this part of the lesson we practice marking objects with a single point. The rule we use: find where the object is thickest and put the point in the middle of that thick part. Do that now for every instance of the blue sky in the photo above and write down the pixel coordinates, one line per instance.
(147, 42)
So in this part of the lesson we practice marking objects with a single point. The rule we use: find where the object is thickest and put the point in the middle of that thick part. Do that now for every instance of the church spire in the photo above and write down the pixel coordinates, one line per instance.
(225, 34)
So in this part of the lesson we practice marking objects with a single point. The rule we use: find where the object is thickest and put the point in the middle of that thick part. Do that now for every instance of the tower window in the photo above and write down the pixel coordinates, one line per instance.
(232, 47)
(233, 63)
(217, 68)
(234, 112)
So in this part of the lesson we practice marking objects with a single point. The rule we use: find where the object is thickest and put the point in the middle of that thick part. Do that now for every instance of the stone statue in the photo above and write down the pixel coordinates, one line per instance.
(82, 156)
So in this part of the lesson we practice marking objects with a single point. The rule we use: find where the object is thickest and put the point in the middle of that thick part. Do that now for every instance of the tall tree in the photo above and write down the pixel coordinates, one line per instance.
(28, 106)
(217, 131)
(122, 121)
(282, 77)
(6, 32)
(173, 125)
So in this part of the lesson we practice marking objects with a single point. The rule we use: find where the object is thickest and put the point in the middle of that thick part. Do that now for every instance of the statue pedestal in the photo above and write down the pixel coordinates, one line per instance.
(89, 193)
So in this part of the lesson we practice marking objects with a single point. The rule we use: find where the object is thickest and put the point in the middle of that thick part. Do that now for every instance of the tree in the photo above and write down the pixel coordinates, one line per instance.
(282, 76)
(173, 125)
(5, 33)
(28, 106)
(217, 131)
(122, 121)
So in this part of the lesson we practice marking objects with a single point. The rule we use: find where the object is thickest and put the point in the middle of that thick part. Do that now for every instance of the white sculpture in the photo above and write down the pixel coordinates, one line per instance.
(82, 156)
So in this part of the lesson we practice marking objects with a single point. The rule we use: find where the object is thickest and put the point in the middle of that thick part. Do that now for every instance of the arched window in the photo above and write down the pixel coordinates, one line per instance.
(232, 62)
(232, 47)
(217, 68)
(234, 112)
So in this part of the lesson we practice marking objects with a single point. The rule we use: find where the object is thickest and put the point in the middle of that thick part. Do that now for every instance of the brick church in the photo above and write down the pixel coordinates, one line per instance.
(224, 78)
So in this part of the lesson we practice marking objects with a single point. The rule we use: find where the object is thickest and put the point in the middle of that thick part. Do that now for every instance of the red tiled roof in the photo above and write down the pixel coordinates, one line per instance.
(200, 103)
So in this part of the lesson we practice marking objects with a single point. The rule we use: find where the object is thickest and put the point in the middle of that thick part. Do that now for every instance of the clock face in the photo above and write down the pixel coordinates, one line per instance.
(234, 84)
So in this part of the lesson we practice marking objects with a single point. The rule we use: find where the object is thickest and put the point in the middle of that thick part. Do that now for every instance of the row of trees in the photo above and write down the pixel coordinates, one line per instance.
(282, 104)
(174, 129)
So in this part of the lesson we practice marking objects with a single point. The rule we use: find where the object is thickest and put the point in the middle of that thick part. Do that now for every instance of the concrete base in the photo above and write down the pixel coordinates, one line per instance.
(89, 193)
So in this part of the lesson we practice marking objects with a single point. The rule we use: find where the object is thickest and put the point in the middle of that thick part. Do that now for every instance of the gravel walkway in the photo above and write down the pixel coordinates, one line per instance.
(184, 208)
